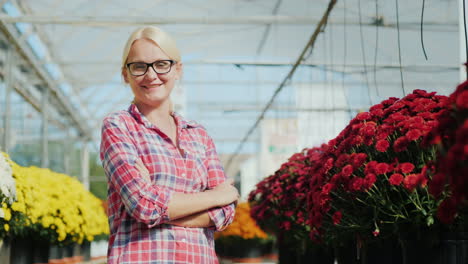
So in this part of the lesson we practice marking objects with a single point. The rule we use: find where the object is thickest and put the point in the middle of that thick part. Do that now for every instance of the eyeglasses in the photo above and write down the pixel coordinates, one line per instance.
(159, 66)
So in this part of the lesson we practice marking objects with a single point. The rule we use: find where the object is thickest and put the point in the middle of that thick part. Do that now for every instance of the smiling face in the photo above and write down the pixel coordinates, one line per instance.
(151, 89)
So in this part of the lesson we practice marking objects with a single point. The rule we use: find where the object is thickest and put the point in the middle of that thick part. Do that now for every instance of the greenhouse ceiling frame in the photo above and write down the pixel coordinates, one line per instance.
(25, 51)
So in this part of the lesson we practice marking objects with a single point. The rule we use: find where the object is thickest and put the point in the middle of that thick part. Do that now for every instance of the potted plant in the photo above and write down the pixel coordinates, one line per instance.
(279, 206)
(370, 185)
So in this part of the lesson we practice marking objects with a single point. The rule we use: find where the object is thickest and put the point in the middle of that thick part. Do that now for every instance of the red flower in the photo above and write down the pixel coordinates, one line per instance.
(363, 116)
(327, 188)
(376, 232)
(406, 167)
(358, 159)
(357, 140)
(328, 164)
(382, 168)
(400, 144)
(369, 180)
(347, 170)
(382, 145)
(411, 181)
(337, 217)
(286, 225)
(447, 211)
(413, 134)
(370, 167)
(396, 179)
(462, 100)
(288, 213)
(437, 185)
(356, 184)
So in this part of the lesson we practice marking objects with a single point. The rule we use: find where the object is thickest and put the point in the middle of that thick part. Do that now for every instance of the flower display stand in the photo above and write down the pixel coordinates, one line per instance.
(5, 252)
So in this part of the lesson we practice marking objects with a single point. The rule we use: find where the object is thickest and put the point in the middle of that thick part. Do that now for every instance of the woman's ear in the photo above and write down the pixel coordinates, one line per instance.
(125, 75)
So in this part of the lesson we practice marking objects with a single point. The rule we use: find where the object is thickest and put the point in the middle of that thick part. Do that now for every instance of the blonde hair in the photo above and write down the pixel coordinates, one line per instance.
(161, 38)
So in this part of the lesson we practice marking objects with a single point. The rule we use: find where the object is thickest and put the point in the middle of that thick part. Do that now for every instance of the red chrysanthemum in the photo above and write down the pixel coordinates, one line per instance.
(347, 170)
(356, 184)
(382, 168)
(363, 116)
(406, 167)
(369, 181)
(447, 211)
(358, 159)
(382, 145)
(411, 181)
(337, 217)
(462, 100)
(400, 144)
(396, 179)
(413, 134)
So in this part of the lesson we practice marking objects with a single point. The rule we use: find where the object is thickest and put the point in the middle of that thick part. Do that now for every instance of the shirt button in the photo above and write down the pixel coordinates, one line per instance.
(183, 240)
(183, 174)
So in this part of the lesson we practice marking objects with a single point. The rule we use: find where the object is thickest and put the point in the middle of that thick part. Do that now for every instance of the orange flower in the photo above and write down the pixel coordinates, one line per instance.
(243, 225)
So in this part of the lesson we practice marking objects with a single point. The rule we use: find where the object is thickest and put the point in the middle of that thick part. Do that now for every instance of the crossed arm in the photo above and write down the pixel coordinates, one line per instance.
(190, 210)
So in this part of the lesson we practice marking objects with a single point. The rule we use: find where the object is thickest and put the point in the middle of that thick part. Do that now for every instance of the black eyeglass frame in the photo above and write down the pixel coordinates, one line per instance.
(148, 65)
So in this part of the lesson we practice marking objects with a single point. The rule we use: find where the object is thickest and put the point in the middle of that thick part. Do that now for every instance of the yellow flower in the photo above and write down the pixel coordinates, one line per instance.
(6, 227)
(57, 202)
(7, 213)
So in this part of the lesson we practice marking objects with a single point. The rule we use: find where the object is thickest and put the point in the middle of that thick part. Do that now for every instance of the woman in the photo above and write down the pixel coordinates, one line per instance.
(167, 191)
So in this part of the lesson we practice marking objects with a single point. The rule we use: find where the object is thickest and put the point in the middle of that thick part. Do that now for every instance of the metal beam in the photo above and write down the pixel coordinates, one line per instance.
(28, 55)
(270, 63)
(45, 129)
(118, 21)
(7, 108)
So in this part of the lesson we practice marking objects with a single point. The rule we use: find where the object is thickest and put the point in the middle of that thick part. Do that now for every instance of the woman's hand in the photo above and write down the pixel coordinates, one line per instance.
(143, 170)
(225, 193)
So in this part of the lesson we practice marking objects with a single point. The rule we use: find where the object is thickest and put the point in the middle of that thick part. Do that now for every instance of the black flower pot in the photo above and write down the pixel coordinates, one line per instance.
(86, 250)
(21, 250)
(40, 251)
(448, 248)
(308, 252)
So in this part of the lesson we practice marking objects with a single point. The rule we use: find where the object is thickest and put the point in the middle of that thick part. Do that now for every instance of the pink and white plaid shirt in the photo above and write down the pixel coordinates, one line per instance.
(137, 210)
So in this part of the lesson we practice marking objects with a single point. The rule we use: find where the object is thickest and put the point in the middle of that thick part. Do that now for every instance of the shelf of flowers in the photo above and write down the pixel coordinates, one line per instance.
(45, 210)
(392, 187)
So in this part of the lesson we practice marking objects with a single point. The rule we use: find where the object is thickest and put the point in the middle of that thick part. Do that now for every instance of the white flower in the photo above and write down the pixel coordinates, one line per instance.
(7, 183)
(2, 214)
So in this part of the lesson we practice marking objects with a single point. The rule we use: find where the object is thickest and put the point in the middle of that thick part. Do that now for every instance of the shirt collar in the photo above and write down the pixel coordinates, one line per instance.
(181, 121)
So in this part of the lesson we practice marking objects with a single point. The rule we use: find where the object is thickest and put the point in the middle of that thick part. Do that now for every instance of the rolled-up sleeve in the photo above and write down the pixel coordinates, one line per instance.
(221, 216)
(145, 202)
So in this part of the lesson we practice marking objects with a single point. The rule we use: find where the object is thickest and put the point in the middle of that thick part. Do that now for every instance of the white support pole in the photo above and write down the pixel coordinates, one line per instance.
(45, 129)
(7, 108)
(463, 74)
(85, 165)
(67, 151)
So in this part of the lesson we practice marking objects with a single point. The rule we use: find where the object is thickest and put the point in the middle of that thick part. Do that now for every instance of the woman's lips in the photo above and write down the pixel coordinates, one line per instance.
(151, 87)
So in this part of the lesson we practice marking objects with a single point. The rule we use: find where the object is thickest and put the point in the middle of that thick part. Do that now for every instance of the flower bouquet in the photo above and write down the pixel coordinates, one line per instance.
(243, 238)
(371, 181)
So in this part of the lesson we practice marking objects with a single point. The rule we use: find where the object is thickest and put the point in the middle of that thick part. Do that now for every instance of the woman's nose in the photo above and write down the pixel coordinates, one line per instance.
(151, 74)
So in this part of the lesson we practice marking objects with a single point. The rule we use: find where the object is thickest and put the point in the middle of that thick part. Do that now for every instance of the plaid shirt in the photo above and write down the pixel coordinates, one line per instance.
(137, 210)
